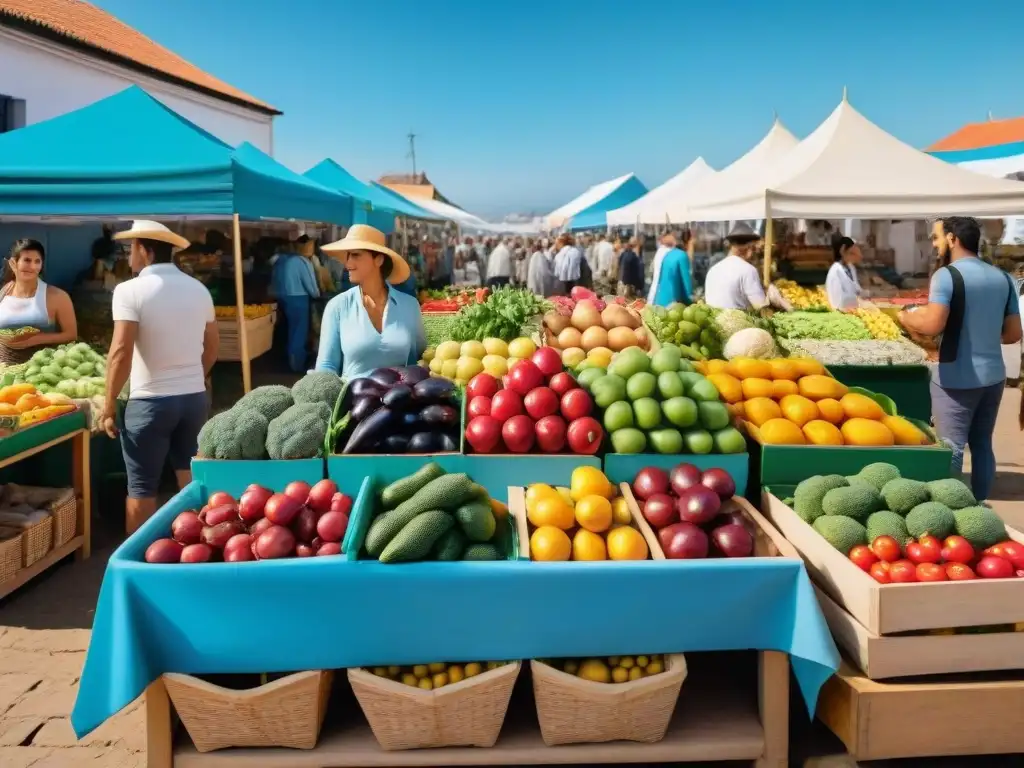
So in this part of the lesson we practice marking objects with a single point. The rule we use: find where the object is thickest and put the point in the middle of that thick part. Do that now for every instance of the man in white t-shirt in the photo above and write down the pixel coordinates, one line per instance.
(165, 339)
(733, 283)
(604, 256)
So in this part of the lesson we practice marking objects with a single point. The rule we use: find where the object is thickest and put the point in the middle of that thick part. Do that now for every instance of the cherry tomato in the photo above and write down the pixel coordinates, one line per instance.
(863, 557)
(930, 572)
(925, 550)
(1010, 550)
(880, 572)
(957, 549)
(903, 572)
(886, 548)
(959, 572)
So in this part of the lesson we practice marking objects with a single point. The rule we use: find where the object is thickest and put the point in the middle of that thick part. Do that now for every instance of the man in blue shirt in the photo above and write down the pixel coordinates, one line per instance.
(674, 284)
(974, 306)
(294, 281)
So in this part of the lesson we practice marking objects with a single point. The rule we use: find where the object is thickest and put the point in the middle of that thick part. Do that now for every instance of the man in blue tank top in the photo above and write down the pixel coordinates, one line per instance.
(973, 305)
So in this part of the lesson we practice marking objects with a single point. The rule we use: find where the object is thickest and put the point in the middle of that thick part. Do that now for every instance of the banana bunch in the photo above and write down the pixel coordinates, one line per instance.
(800, 297)
(252, 311)
(879, 324)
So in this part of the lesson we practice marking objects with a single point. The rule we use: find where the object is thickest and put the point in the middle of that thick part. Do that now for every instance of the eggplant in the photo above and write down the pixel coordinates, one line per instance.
(396, 444)
(425, 442)
(410, 419)
(399, 396)
(413, 374)
(433, 389)
(362, 387)
(364, 406)
(448, 443)
(384, 376)
(439, 415)
(371, 431)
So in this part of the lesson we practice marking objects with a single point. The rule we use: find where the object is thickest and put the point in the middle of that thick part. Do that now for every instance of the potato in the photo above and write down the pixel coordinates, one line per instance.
(164, 551)
(275, 542)
(332, 526)
(259, 527)
(187, 528)
(330, 548)
(218, 535)
(221, 514)
(197, 553)
(239, 549)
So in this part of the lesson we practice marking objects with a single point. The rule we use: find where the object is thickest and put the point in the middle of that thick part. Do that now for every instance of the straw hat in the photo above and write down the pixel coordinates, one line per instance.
(152, 230)
(362, 237)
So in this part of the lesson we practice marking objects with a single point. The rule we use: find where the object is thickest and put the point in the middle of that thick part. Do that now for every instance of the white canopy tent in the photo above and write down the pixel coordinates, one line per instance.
(594, 194)
(652, 208)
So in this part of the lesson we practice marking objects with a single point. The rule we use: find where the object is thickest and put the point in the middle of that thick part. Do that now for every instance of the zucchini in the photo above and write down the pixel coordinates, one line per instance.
(417, 537)
(405, 488)
(444, 492)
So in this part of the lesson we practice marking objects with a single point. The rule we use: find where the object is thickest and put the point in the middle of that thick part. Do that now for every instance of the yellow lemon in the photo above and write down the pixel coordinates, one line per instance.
(594, 513)
(496, 365)
(566, 494)
(448, 350)
(626, 543)
(587, 545)
(521, 347)
(552, 510)
(549, 544)
(595, 670)
(467, 367)
(601, 356)
(590, 481)
(449, 369)
(495, 346)
(573, 356)
(472, 349)
(620, 511)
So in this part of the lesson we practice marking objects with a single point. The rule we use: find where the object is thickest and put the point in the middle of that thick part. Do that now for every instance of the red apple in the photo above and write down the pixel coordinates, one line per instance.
(484, 434)
(517, 434)
(683, 477)
(482, 385)
(650, 481)
(698, 504)
(660, 510)
(479, 406)
(576, 404)
(524, 376)
(506, 404)
(548, 360)
(550, 433)
(683, 541)
(585, 435)
(561, 383)
(540, 402)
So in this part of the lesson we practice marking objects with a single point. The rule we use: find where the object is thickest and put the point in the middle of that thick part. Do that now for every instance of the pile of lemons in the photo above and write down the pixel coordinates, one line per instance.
(879, 324)
(613, 669)
(461, 362)
(429, 677)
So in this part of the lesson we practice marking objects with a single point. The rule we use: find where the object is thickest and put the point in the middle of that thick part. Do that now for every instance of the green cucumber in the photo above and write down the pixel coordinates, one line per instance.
(417, 537)
(405, 488)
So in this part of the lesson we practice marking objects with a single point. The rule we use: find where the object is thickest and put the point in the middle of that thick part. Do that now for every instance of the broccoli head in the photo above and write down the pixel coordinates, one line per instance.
(299, 432)
(271, 401)
(240, 433)
(317, 387)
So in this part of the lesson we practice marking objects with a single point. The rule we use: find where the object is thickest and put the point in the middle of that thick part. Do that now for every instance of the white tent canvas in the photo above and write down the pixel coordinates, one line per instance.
(776, 144)
(598, 192)
(850, 168)
(652, 208)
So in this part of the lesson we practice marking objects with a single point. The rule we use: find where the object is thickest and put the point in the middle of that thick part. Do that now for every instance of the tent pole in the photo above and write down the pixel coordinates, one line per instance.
(768, 233)
(243, 339)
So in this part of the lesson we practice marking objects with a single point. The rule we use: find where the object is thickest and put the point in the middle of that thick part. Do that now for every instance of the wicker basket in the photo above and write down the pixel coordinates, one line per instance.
(37, 541)
(10, 557)
(465, 714)
(65, 519)
(575, 711)
(284, 713)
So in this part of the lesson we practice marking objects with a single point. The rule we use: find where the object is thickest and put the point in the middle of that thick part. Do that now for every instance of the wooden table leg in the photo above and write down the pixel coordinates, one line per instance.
(773, 704)
(81, 479)
(159, 742)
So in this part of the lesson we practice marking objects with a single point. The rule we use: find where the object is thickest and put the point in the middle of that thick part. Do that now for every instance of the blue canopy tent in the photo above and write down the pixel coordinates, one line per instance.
(595, 215)
(130, 156)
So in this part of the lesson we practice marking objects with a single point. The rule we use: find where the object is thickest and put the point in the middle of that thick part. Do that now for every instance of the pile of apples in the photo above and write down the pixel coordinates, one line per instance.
(302, 521)
(691, 512)
(537, 405)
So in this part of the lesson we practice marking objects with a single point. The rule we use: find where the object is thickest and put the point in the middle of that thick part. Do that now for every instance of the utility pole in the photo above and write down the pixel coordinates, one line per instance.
(412, 151)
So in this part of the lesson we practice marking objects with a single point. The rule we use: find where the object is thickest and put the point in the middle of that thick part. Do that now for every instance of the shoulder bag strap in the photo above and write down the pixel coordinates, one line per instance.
(950, 343)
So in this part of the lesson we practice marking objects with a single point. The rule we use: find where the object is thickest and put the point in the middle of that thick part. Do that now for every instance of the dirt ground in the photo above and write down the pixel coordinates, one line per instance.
(44, 633)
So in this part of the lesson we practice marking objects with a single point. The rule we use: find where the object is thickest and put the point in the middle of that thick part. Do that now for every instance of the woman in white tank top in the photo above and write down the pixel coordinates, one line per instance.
(28, 302)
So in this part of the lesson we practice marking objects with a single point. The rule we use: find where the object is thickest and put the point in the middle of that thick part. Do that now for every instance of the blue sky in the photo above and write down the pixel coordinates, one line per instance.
(519, 106)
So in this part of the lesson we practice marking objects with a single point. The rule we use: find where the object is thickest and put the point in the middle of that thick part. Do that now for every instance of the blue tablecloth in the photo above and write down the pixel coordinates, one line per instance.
(327, 613)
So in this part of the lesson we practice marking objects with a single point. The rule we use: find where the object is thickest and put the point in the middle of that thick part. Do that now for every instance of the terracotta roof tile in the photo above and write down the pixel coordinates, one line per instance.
(991, 133)
(88, 25)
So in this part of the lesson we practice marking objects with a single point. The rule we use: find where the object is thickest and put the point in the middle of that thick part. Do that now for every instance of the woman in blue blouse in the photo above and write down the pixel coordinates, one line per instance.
(673, 282)
(371, 325)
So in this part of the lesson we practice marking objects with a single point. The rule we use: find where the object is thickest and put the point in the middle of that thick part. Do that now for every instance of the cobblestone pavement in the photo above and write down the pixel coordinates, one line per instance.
(44, 632)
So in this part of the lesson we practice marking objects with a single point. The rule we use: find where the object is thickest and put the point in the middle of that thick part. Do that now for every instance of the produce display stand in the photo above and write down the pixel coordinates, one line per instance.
(907, 385)
(332, 613)
(69, 428)
(260, 333)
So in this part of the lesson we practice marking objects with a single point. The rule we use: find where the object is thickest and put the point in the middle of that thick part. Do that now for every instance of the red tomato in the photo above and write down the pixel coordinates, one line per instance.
(959, 572)
(540, 402)
(518, 434)
(902, 572)
(957, 549)
(863, 557)
(1008, 550)
(550, 434)
(994, 567)
(880, 572)
(576, 404)
(548, 360)
(886, 548)
(483, 433)
(930, 572)
(506, 404)
(585, 435)
(482, 384)
(479, 406)
(525, 376)
(925, 550)
(561, 383)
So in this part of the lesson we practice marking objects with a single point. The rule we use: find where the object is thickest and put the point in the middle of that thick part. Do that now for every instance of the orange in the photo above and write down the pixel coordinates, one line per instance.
(626, 543)
(728, 386)
(867, 432)
(820, 432)
(758, 410)
(781, 432)
(552, 510)
(857, 406)
(535, 492)
(748, 368)
(783, 387)
(808, 366)
(818, 387)
(594, 513)
(620, 511)
(798, 409)
(756, 388)
(549, 544)
(590, 481)
(784, 369)
(587, 545)
(831, 411)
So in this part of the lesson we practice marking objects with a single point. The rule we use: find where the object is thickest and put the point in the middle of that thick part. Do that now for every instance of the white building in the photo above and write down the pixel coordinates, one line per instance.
(59, 55)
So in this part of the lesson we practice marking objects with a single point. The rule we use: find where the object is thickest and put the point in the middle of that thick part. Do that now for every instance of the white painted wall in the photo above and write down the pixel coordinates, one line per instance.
(53, 80)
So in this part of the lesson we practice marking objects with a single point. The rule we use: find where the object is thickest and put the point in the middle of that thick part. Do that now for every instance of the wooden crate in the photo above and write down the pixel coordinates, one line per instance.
(885, 609)
(881, 721)
(259, 332)
(882, 657)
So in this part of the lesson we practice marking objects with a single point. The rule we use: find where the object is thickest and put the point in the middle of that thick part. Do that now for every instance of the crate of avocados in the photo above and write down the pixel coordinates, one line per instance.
(435, 705)
(843, 510)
